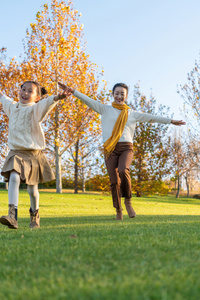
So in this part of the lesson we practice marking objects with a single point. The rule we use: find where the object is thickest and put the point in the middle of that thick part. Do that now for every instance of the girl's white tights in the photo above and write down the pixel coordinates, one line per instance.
(13, 188)
(34, 196)
(13, 191)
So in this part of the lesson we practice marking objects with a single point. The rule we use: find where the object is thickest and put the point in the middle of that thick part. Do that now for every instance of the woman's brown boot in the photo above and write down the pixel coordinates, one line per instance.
(129, 208)
(119, 215)
(11, 219)
(35, 218)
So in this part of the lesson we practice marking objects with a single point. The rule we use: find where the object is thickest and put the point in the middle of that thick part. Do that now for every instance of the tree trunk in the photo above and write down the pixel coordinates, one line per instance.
(57, 137)
(138, 192)
(83, 181)
(187, 185)
(57, 154)
(178, 188)
(6, 185)
(76, 169)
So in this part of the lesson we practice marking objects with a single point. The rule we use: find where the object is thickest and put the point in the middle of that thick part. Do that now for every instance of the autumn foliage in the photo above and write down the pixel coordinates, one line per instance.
(54, 51)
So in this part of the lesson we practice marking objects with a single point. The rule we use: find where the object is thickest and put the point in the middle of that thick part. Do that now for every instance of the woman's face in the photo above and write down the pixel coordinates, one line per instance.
(120, 95)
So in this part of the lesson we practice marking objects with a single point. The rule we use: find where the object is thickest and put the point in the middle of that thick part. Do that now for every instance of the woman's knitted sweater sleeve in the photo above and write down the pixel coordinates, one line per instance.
(144, 117)
(94, 104)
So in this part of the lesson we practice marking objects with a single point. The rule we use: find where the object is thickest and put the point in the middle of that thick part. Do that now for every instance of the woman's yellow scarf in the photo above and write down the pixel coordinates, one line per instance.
(110, 144)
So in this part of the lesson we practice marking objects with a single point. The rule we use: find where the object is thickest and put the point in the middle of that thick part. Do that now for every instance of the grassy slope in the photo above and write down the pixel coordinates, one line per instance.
(82, 252)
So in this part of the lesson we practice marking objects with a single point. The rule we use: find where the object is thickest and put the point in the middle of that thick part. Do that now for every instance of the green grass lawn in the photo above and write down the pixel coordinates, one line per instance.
(82, 252)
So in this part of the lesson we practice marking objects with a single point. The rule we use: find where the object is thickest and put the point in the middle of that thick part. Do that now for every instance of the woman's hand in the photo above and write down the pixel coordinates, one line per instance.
(66, 88)
(67, 91)
(178, 122)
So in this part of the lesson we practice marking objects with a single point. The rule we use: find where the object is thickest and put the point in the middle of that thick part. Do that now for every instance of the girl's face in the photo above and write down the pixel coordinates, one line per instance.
(28, 93)
(120, 95)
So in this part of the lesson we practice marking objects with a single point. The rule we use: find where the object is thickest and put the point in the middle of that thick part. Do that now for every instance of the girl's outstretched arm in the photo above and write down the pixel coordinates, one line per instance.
(6, 103)
(178, 122)
(44, 106)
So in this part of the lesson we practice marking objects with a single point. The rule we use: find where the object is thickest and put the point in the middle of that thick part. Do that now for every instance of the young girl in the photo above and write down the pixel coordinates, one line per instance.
(26, 162)
(118, 125)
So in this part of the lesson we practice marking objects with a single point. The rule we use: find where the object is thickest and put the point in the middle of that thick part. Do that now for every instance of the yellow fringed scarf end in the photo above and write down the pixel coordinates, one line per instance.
(118, 129)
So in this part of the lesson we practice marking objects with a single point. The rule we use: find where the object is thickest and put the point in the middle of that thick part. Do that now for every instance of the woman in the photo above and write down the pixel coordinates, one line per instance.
(118, 125)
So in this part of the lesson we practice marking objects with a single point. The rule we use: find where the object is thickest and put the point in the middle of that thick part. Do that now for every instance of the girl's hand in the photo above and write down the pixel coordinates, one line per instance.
(67, 91)
(178, 122)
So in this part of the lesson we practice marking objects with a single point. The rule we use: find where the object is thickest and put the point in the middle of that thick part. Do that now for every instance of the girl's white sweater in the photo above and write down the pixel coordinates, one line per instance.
(25, 131)
(109, 115)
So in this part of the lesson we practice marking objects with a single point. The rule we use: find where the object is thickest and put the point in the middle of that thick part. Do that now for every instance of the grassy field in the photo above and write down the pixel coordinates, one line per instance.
(82, 252)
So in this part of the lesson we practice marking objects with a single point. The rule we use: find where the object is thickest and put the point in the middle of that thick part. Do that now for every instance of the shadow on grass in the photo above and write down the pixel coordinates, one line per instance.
(164, 199)
(102, 221)
(155, 199)
(111, 219)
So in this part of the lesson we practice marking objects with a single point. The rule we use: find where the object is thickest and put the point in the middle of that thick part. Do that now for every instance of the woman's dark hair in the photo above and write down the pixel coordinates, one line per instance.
(120, 85)
(41, 91)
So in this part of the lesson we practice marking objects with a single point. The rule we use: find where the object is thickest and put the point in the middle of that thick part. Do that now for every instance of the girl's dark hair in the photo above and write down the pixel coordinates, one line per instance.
(120, 85)
(41, 91)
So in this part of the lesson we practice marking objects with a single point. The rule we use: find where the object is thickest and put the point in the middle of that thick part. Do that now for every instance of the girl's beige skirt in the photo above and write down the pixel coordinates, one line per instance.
(32, 165)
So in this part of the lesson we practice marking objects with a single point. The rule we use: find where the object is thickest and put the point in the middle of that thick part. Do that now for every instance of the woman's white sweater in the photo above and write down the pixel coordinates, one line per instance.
(109, 116)
(25, 131)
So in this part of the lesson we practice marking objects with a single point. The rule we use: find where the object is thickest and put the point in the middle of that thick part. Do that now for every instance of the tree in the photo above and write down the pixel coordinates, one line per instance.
(192, 157)
(190, 93)
(63, 54)
(84, 156)
(84, 150)
(178, 159)
(87, 134)
(54, 51)
(150, 147)
(185, 155)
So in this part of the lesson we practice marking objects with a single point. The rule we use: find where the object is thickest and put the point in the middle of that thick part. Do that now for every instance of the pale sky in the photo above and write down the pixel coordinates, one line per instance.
(155, 42)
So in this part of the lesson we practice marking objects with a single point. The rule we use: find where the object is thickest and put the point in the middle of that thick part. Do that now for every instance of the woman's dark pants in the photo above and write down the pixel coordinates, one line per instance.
(118, 166)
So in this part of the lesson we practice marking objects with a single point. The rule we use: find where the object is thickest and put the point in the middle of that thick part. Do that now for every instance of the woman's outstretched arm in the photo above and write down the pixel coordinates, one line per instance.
(145, 117)
(95, 105)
